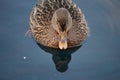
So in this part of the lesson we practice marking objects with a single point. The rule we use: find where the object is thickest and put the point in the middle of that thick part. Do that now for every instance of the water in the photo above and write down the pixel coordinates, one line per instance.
(98, 59)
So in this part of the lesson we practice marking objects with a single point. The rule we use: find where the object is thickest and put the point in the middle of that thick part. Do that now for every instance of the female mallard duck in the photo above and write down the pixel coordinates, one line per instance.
(58, 24)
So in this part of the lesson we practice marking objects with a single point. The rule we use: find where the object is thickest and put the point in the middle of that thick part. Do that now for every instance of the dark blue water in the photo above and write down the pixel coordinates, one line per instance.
(98, 59)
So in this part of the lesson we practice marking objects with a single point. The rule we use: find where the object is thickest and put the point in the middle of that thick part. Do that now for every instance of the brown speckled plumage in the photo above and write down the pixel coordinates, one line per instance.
(42, 29)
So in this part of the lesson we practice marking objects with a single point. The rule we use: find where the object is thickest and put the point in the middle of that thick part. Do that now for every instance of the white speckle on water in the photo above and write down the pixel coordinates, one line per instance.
(24, 57)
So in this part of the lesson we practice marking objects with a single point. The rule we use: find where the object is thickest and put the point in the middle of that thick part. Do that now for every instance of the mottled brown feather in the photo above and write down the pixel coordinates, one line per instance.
(42, 30)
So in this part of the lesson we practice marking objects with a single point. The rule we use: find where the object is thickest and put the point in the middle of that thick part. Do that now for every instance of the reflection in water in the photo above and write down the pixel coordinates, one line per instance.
(61, 61)
(61, 58)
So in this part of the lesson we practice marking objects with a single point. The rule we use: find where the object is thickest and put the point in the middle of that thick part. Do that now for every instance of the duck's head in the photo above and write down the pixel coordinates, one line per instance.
(62, 22)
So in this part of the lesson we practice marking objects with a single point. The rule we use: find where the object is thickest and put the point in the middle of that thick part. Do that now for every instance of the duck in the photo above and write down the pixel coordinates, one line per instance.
(58, 24)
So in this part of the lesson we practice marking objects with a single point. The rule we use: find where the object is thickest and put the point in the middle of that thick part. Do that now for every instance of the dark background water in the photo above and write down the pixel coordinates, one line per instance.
(97, 59)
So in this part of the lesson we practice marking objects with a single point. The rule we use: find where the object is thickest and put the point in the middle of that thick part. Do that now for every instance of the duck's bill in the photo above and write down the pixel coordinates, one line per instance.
(63, 40)
(63, 44)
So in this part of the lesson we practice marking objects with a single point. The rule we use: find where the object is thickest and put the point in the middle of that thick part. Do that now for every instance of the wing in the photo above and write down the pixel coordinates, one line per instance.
(42, 30)
(79, 30)
(40, 24)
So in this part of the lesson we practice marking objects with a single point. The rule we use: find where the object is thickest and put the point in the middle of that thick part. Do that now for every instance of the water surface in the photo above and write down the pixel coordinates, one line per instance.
(98, 59)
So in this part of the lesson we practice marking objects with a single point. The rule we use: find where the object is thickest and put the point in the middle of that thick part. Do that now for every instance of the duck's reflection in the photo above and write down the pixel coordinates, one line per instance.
(61, 61)
(61, 58)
